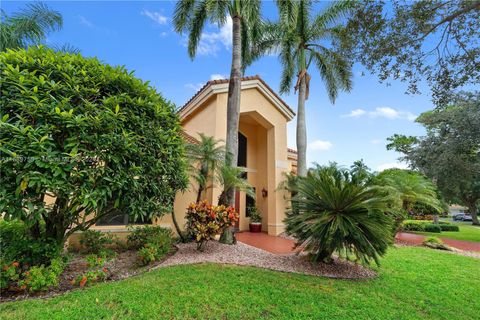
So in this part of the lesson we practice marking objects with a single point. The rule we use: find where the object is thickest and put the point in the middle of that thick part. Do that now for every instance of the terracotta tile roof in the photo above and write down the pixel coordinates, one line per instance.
(222, 81)
(188, 138)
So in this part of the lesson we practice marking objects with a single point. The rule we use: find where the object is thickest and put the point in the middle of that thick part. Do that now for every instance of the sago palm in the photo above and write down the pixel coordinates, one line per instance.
(205, 159)
(191, 16)
(303, 41)
(28, 26)
(334, 213)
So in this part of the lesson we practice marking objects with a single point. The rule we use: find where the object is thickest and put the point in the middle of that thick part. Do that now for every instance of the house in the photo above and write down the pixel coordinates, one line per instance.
(262, 150)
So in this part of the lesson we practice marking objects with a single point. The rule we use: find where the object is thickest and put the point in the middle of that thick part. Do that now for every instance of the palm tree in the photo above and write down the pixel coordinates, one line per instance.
(302, 39)
(28, 27)
(229, 178)
(205, 159)
(334, 212)
(190, 16)
(409, 187)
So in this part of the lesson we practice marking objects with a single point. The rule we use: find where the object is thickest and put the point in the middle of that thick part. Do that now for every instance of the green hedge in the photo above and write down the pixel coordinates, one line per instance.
(428, 226)
(449, 227)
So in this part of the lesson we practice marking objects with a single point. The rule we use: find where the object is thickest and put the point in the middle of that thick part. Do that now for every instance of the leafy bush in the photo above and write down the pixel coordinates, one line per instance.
(92, 136)
(449, 227)
(148, 254)
(10, 274)
(40, 278)
(413, 226)
(91, 277)
(17, 244)
(432, 228)
(140, 236)
(205, 221)
(94, 241)
(338, 213)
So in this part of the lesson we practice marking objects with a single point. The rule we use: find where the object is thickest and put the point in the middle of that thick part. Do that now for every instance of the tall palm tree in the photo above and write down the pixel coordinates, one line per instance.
(28, 26)
(190, 16)
(301, 39)
(205, 160)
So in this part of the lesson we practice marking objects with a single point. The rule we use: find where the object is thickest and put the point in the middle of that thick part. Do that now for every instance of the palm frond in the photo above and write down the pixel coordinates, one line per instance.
(182, 15)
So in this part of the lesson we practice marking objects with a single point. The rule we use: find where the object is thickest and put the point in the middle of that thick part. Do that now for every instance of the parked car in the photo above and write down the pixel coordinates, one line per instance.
(462, 217)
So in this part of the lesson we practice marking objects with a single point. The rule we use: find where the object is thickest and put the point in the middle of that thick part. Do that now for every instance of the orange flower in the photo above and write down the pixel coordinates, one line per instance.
(105, 270)
(15, 264)
(23, 287)
(83, 281)
(5, 268)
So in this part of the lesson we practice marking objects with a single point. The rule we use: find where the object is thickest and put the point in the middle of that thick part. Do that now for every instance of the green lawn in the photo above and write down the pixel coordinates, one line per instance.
(467, 232)
(414, 283)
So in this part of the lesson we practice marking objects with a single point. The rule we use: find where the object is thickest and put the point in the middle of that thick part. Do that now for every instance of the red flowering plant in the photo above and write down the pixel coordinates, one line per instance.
(205, 221)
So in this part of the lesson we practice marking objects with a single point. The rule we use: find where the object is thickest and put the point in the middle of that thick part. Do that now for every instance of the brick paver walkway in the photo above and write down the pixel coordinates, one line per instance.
(280, 245)
(459, 244)
(277, 245)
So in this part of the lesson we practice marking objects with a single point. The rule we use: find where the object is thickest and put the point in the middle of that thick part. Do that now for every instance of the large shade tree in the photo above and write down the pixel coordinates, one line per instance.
(436, 41)
(28, 26)
(303, 40)
(191, 16)
(81, 141)
(449, 154)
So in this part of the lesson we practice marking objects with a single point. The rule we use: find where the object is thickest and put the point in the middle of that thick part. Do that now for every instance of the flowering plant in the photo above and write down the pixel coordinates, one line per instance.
(205, 221)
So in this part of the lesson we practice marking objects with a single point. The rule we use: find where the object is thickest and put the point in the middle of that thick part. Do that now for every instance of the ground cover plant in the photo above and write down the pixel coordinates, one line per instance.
(407, 288)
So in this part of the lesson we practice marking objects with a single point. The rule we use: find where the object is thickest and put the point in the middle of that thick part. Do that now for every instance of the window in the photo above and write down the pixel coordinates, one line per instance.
(121, 219)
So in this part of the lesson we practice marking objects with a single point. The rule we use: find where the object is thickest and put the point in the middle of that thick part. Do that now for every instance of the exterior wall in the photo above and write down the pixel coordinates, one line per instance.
(267, 160)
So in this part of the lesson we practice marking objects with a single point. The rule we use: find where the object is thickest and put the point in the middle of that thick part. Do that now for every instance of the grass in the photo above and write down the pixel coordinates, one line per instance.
(414, 283)
(467, 232)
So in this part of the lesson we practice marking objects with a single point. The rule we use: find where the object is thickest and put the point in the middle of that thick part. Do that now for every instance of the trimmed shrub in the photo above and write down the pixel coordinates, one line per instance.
(432, 240)
(413, 226)
(94, 241)
(449, 227)
(152, 242)
(94, 137)
(205, 221)
(432, 228)
(140, 236)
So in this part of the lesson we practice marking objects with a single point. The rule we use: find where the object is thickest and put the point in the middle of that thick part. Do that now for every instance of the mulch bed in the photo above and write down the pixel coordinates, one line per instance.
(125, 265)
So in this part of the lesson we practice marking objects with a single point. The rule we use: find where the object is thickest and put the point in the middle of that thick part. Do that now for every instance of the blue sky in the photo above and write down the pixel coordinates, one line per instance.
(139, 35)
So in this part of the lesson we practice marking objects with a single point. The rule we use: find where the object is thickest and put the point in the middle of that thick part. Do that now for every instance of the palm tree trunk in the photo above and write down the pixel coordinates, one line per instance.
(233, 103)
(301, 130)
(233, 116)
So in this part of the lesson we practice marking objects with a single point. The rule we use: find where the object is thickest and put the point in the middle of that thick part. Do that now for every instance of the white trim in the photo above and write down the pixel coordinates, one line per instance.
(223, 88)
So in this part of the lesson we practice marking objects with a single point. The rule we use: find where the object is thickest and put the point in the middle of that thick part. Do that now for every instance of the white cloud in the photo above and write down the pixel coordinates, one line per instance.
(382, 112)
(217, 76)
(391, 165)
(155, 16)
(355, 113)
(194, 86)
(163, 34)
(320, 145)
(210, 41)
(390, 113)
(376, 141)
(85, 22)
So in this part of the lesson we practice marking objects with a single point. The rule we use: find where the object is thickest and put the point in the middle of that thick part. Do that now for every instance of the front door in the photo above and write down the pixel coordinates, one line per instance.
(241, 162)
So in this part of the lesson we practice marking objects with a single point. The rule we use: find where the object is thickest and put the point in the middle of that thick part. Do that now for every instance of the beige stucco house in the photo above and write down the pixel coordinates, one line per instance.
(262, 151)
(262, 146)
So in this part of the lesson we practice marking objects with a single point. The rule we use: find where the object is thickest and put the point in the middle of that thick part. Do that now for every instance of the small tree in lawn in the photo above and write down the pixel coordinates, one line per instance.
(81, 140)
